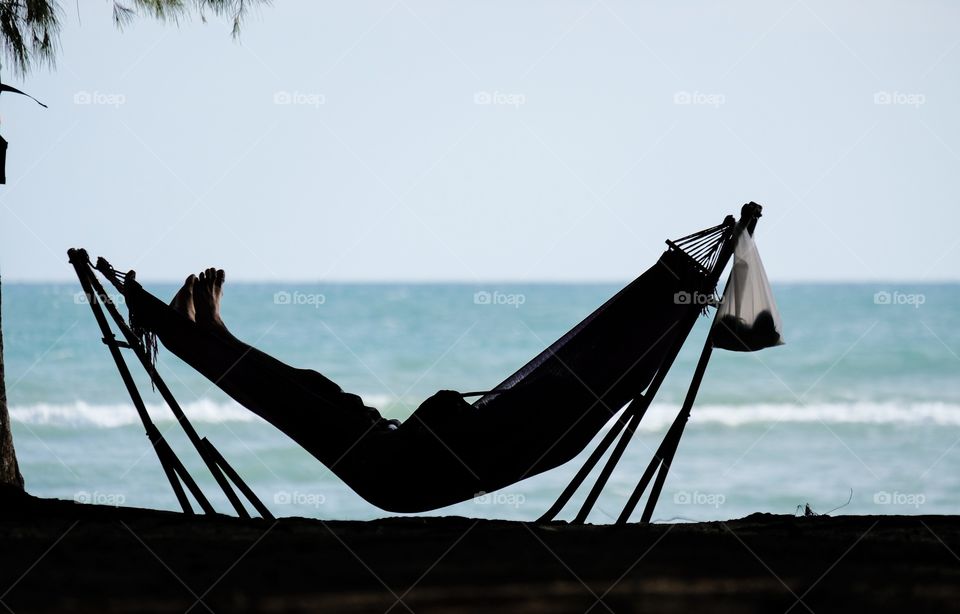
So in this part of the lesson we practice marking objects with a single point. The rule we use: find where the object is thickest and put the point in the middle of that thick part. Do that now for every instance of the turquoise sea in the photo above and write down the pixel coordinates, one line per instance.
(864, 396)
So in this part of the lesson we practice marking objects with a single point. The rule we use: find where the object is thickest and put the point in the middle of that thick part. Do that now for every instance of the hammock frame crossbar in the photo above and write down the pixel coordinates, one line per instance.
(710, 250)
(225, 475)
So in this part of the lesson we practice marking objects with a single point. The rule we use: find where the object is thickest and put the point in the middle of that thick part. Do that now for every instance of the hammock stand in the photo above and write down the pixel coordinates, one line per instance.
(174, 469)
(708, 251)
(711, 249)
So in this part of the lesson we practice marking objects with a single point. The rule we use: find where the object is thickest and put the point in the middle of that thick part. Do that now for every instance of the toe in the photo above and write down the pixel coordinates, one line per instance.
(221, 277)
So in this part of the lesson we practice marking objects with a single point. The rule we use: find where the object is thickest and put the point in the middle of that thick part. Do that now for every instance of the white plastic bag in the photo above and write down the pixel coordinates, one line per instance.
(747, 319)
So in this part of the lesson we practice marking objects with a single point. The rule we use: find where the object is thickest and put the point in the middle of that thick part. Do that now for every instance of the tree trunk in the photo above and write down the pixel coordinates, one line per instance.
(9, 470)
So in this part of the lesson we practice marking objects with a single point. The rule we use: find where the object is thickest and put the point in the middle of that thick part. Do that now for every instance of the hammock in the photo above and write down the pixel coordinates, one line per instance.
(449, 450)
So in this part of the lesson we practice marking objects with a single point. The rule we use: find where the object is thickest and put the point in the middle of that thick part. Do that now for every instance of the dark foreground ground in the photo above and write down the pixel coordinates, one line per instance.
(60, 556)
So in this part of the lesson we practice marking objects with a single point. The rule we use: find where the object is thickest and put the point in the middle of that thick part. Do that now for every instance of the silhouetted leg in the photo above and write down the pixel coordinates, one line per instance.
(313, 410)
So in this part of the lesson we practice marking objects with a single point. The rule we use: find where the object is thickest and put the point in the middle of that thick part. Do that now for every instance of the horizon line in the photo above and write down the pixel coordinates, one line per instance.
(488, 281)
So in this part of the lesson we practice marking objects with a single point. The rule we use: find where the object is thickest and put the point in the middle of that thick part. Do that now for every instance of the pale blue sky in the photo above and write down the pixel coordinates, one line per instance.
(583, 161)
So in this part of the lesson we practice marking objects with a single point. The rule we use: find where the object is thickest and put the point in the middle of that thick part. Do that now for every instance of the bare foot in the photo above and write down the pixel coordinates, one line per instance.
(183, 301)
(207, 292)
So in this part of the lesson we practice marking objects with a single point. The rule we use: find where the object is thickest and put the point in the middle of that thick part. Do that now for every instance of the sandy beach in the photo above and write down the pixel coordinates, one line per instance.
(66, 557)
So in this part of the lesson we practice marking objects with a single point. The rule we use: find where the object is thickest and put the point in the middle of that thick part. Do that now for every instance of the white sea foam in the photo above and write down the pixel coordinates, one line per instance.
(659, 416)
(907, 413)
(114, 415)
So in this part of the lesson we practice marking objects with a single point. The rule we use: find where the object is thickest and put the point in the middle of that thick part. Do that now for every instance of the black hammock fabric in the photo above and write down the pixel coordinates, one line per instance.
(450, 450)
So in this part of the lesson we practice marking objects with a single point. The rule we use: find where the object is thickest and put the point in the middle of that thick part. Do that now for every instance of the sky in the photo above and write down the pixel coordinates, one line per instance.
(474, 141)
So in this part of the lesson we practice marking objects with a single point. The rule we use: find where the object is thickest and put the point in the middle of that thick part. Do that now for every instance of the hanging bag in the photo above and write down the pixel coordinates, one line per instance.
(747, 319)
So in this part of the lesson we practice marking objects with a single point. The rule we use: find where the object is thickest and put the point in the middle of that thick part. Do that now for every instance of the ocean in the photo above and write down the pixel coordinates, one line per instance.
(861, 403)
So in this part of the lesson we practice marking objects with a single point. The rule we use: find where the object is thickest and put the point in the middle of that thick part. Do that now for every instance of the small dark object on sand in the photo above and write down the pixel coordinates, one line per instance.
(732, 333)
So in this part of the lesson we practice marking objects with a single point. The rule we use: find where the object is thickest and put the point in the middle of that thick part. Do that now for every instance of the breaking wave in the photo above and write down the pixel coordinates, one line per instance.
(83, 414)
